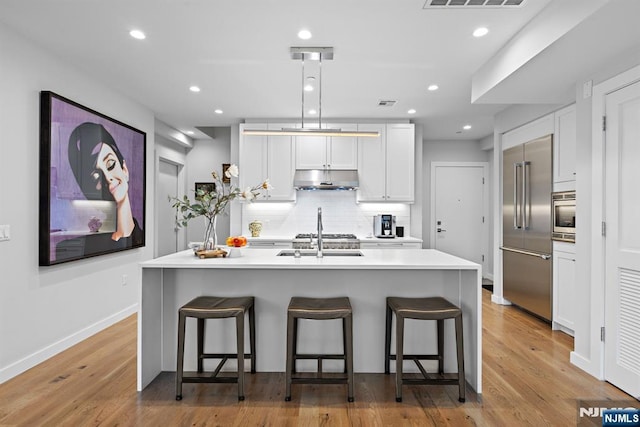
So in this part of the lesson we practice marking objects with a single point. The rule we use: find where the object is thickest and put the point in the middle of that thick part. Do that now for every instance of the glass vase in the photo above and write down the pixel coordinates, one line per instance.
(210, 240)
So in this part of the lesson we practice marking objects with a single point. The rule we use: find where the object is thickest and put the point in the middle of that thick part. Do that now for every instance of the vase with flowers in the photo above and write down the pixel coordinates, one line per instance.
(210, 203)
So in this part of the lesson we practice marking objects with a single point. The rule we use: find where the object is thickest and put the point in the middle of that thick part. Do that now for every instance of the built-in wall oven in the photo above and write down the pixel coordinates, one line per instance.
(564, 216)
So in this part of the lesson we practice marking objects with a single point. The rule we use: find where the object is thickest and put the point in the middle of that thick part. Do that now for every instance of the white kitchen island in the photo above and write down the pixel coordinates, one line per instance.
(171, 281)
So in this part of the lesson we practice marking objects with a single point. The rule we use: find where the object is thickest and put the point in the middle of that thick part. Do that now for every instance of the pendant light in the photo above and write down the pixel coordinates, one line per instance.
(312, 54)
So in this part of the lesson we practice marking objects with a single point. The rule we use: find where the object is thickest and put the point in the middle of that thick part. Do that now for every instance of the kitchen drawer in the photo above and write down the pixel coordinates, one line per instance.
(268, 244)
(390, 245)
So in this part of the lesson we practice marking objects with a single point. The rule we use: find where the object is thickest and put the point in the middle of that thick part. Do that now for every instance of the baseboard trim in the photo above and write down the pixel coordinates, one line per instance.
(488, 276)
(582, 363)
(499, 300)
(49, 351)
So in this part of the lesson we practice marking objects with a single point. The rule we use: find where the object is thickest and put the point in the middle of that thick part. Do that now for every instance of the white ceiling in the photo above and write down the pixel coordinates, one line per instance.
(238, 53)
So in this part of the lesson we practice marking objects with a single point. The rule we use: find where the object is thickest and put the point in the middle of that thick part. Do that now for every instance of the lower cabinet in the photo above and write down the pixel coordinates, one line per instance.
(390, 245)
(269, 244)
(564, 291)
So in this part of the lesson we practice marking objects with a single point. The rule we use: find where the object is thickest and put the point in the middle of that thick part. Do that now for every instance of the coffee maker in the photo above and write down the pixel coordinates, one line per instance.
(384, 225)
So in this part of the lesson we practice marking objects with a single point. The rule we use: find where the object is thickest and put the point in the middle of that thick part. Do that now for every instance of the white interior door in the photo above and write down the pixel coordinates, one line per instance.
(458, 203)
(622, 211)
(167, 230)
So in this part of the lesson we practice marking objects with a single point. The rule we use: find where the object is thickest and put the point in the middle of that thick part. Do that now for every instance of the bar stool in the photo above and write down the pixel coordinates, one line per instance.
(435, 308)
(319, 309)
(208, 307)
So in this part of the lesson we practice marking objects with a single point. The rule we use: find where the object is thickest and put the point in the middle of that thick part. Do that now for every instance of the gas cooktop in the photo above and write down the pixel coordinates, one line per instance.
(327, 236)
(330, 241)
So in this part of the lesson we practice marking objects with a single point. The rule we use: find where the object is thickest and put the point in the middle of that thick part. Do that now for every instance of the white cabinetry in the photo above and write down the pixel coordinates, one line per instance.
(328, 152)
(268, 157)
(386, 164)
(391, 244)
(564, 145)
(564, 287)
(266, 243)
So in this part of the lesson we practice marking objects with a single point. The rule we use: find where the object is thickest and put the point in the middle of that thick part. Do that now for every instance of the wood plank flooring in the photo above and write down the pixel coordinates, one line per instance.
(528, 380)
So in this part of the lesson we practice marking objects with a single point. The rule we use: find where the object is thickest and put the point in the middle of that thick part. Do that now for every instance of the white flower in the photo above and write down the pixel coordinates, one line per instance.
(248, 194)
(266, 185)
(232, 171)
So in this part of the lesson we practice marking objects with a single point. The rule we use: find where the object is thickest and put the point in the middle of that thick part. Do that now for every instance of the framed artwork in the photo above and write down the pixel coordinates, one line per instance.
(92, 183)
(225, 179)
(207, 187)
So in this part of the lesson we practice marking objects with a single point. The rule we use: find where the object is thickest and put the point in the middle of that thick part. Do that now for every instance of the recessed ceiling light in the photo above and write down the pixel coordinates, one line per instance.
(479, 32)
(218, 111)
(304, 34)
(312, 111)
(189, 132)
(308, 88)
(466, 127)
(411, 111)
(432, 87)
(137, 34)
(194, 89)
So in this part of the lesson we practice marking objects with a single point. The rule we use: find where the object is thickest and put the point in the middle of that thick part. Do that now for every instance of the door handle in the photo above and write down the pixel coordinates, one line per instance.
(525, 196)
(440, 230)
(516, 224)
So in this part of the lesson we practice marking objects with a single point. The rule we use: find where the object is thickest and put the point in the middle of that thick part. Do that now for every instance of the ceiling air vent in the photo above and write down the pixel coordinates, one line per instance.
(458, 4)
(387, 103)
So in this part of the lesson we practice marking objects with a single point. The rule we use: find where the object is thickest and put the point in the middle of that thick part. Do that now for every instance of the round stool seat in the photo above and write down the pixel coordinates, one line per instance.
(320, 308)
(423, 308)
(210, 307)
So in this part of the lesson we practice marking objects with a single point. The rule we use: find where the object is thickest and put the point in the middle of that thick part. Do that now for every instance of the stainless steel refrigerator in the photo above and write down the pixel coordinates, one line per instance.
(526, 225)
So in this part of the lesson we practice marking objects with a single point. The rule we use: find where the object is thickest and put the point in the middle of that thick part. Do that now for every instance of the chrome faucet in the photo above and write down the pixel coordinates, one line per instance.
(319, 253)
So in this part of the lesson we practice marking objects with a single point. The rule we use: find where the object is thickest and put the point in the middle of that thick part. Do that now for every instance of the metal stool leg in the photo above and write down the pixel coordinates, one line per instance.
(240, 349)
(460, 354)
(399, 355)
(440, 334)
(180, 358)
(201, 325)
(290, 358)
(252, 338)
(387, 340)
(348, 349)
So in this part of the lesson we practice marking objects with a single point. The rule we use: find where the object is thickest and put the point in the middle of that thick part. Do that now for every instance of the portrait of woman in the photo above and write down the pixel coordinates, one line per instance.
(92, 182)
(102, 173)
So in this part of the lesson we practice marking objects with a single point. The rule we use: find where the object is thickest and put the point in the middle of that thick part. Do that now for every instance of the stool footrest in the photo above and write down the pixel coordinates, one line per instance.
(223, 356)
(208, 377)
(320, 356)
(430, 381)
(316, 380)
(417, 357)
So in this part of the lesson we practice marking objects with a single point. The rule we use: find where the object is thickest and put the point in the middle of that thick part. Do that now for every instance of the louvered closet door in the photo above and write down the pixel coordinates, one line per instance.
(622, 212)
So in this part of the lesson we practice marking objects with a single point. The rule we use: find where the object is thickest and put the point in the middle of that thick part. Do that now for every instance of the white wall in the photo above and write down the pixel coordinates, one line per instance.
(44, 310)
(206, 156)
(444, 151)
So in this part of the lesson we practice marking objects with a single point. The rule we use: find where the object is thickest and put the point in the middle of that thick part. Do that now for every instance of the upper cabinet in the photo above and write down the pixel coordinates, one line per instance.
(564, 145)
(327, 152)
(386, 164)
(268, 157)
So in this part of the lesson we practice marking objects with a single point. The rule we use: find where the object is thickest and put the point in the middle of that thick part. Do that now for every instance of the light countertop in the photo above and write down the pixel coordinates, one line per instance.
(381, 259)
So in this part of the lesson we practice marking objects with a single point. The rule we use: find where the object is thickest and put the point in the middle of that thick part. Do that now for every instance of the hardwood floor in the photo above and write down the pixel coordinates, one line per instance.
(528, 380)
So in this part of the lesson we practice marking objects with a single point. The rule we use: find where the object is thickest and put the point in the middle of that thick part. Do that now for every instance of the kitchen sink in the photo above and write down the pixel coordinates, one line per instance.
(312, 252)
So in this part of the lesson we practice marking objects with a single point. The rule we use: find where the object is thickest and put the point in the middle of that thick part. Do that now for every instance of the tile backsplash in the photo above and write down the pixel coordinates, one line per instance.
(340, 214)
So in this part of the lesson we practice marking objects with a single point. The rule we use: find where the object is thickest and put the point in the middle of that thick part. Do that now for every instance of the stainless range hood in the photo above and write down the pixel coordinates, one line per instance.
(324, 179)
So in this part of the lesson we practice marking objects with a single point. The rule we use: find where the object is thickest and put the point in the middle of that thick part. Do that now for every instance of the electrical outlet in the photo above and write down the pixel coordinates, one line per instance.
(124, 280)
(5, 233)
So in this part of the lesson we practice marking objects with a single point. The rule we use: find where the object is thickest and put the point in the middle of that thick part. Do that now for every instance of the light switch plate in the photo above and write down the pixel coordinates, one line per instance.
(5, 233)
